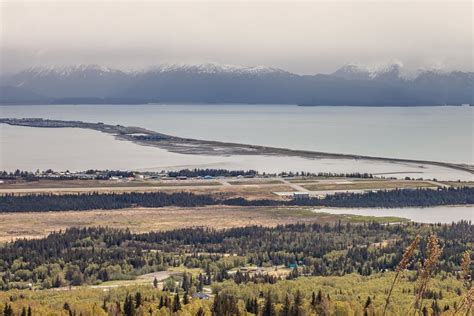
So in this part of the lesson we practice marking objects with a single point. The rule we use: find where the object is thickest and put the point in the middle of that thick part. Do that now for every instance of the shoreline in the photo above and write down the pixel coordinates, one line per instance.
(145, 137)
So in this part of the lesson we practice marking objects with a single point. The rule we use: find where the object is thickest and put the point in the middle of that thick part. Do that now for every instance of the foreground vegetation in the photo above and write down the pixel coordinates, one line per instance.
(347, 295)
(291, 270)
(90, 201)
(94, 255)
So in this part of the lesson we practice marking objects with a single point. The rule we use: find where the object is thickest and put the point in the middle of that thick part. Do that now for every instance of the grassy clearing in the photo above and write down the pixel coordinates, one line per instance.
(458, 184)
(377, 219)
(368, 185)
(35, 225)
(367, 219)
(262, 182)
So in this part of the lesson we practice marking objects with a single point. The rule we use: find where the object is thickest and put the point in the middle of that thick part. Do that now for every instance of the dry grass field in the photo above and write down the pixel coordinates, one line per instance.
(369, 185)
(36, 225)
(251, 191)
(458, 184)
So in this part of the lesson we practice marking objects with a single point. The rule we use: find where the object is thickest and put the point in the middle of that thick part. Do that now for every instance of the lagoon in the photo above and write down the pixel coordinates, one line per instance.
(430, 133)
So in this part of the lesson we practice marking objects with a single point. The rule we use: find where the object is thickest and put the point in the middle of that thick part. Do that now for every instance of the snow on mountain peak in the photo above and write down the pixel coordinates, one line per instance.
(377, 72)
(68, 70)
(214, 68)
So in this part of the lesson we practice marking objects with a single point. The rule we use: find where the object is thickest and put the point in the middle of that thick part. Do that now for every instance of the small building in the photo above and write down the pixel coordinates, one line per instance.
(300, 195)
(201, 296)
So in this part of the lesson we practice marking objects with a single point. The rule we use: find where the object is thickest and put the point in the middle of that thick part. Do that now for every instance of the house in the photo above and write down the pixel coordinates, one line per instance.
(300, 195)
(201, 296)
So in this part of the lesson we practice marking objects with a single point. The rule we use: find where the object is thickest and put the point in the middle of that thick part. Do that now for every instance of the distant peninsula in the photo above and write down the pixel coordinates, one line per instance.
(181, 145)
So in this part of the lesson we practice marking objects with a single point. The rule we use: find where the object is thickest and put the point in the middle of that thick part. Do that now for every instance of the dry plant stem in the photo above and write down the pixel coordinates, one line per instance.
(402, 265)
(466, 303)
(465, 269)
(433, 254)
(468, 300)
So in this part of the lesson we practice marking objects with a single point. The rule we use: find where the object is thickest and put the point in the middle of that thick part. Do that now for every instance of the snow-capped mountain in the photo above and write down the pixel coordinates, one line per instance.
(214, 68)
(216, 83)
(69, 81)
(352, 72)
(73, 70)
(357, 72)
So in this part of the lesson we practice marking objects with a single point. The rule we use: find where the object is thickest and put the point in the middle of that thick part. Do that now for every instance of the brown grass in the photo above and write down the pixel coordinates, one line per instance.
(368, 185)
(37, 225)
(259, 182)
(253, 192)
(402, 265)
(45, 183)
(458, 184)
(433, 252)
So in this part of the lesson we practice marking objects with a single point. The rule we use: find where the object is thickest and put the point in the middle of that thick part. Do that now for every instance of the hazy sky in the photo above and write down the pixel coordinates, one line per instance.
(304, 37)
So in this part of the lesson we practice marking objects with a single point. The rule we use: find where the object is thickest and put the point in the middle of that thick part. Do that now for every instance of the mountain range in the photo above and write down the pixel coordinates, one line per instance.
(350, 85)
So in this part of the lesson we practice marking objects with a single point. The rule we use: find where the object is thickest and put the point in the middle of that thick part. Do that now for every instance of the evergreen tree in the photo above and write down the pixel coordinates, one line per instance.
(286, 311)
(368, 302)
(104, 305)
(186, 298)
(200, 283)
(128, 306)
(268, 308)
(8, 310)
(319, 298)
(200, 312)
(297, 305)
(138, 299)
(176, 303)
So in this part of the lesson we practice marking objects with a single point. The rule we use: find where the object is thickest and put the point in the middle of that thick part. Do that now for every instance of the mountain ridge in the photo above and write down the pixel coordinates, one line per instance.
(217, 83)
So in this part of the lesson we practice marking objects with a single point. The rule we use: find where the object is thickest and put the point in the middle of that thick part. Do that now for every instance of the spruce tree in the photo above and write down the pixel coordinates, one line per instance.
(268, 308)
(138, 299)
(128, 307)
(286, 307)
(176, 303)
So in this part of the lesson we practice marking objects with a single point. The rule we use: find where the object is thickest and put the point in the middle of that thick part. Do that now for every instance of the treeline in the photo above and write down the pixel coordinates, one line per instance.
(90, 201)
(396, 198)
(52, 175)
(191, 173)
(93, 255)
(26, 175)
(362, 175)
(211, 172)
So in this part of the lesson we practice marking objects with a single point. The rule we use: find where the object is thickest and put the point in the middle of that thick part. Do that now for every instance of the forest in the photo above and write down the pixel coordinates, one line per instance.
(191, 173)
(341, 269)
(90, 255)
(89, 201)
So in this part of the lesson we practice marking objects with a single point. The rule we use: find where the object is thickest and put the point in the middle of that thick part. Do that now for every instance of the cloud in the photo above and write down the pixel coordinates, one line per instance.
(305, 37)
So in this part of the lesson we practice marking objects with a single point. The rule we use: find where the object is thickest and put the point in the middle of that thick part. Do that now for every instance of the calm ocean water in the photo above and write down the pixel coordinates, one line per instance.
(438, 214)
(430, 133)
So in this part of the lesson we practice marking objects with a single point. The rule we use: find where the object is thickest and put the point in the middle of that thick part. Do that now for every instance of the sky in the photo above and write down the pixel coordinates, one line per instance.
(303, 37)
